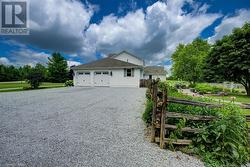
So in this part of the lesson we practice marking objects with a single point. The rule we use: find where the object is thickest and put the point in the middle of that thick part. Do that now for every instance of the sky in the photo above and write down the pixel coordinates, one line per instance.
(83, 31)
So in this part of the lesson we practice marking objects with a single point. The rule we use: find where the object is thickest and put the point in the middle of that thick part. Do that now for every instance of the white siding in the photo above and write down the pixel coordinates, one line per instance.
(116, 80)
(128, 58)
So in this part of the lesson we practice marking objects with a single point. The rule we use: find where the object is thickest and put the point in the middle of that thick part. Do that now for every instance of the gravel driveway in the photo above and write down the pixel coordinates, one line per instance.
(79, 127)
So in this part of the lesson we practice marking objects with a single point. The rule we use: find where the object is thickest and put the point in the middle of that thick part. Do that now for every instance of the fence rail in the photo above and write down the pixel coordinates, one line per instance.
(248, 118)
(160, 127)
(185, 129)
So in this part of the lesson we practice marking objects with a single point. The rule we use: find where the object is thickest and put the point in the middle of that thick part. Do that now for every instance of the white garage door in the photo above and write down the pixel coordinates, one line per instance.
(101, 78)
(84, 79)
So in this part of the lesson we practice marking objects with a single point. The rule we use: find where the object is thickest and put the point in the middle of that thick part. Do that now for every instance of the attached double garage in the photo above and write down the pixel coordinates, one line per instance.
(128, 77)
(92, 78)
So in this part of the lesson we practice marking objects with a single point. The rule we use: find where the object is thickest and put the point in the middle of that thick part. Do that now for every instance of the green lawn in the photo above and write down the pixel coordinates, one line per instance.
(239, 98)
(14, 84)
(19, 85)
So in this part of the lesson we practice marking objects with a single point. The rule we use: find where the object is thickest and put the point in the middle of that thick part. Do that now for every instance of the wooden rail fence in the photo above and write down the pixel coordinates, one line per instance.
(160, 127)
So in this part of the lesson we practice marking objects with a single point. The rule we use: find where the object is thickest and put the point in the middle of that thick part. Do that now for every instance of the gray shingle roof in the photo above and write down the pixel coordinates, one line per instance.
(106, 63)
(155, 70)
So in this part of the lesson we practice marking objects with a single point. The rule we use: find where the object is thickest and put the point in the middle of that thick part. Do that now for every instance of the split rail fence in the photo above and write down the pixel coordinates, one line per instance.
(160, 126)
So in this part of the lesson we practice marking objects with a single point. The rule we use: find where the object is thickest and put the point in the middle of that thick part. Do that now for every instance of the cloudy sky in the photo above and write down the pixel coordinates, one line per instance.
(88, 30)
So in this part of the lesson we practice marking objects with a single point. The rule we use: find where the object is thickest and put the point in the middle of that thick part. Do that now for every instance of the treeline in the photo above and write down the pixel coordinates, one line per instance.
(226, 60)
(56, 71)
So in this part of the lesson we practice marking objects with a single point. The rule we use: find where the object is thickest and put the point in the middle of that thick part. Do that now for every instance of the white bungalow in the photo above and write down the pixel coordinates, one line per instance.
(117, 70)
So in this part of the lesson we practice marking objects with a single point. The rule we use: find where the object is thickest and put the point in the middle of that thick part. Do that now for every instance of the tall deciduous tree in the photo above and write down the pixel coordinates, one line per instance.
(57, 68)
(229, 59)
(188, 60)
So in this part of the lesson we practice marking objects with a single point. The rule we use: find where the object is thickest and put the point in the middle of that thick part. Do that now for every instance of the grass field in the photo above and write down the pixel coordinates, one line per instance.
(19, 85)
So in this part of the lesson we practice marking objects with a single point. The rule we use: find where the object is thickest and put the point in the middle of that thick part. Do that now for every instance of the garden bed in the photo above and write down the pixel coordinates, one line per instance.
(221, 142)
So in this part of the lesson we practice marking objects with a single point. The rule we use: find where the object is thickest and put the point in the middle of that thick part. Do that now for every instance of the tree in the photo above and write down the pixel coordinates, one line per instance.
(188, 60)
(9, 73)
(229, 59)
(2, 73)
(71, 74)
(24, 71)
(35, 76)
(57, 68)
(39, 67)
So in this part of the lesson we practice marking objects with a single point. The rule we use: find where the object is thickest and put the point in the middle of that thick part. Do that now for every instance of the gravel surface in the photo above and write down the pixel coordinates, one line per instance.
(79, 127)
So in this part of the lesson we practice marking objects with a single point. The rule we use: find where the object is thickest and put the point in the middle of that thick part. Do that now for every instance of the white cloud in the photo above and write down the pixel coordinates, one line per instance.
(229, 23)
(73, 63)
(114, 31)
(152, 34)
(26, 56)
(4, 61)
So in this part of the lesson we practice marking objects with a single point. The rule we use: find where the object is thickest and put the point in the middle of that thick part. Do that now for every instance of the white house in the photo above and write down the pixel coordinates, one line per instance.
(154, 72)
(117, 70)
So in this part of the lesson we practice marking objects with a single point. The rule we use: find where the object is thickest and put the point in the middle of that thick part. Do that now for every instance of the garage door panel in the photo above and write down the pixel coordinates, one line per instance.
(101, 78)
(84, 79)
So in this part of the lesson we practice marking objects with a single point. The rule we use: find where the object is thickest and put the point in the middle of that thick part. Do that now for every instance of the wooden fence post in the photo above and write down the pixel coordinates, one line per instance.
(155, 89)
(163, 118)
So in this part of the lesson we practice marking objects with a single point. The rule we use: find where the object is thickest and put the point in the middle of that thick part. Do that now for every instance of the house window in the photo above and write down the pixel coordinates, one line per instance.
(80, 73)
(105, 73)
(87, 73)
(98, 73)
(128, 72)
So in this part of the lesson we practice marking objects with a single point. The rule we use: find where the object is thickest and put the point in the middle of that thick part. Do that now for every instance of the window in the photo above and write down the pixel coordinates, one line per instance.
(128, 72)
(105, 73)
(87, 73)
(80, 73)
(98, 73)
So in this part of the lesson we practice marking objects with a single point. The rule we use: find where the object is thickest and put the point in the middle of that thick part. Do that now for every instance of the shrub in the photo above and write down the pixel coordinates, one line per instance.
(148, 95)
(147, 115)
(180, 86)
(224, 141)
(69, 83)
(192, 85)
(206, 88)
(243, 91)
(237, 91)
(34, 78)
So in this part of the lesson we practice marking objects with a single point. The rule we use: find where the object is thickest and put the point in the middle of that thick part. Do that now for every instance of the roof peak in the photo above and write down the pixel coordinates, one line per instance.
(113, 55)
